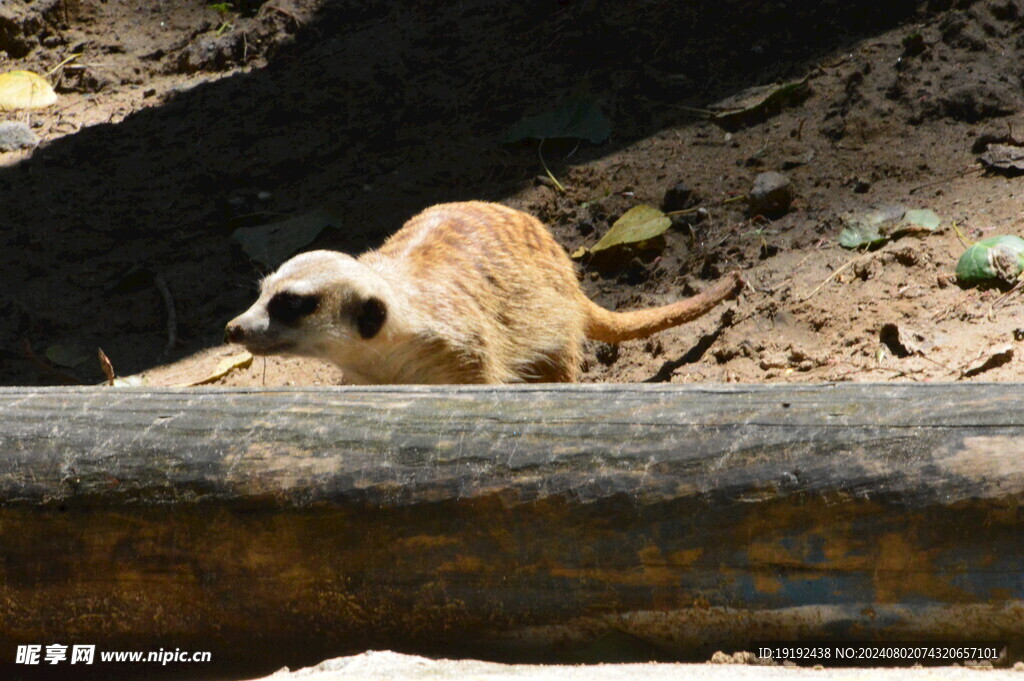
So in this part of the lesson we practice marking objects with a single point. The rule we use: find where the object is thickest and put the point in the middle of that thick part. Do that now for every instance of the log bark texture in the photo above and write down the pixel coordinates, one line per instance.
(278, 527)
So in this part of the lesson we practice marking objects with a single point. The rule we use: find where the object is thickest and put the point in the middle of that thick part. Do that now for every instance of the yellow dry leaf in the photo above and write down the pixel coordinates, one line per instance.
(25, 90)
(225, 367)
(579, 253)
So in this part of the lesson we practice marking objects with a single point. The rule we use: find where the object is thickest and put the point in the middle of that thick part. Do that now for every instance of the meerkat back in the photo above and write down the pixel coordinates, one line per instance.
(497, 288)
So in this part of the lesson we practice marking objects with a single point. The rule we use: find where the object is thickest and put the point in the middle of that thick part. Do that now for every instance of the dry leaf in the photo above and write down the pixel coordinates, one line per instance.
(1004, 158)
(274, 243)
(638, 224)
(25, 90)
(225, 367)
(756, 104)
(578, 117)
(108, 368)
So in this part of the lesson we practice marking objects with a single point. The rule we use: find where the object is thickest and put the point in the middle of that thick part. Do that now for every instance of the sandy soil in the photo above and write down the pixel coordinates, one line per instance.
(387, 666)
(178, 125)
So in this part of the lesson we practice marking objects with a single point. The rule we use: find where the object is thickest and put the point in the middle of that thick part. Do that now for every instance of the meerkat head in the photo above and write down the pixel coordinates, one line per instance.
(318, 304)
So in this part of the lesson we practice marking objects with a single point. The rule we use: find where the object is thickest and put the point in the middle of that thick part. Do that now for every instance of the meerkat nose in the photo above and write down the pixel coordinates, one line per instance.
(233, 333)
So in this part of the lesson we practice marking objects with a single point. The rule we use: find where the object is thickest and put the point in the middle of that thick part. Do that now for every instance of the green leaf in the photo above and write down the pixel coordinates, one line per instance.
(758, 103)
(577, 117)
(874, 227)
(640, 223)
(922, 219)
(860, 233)
(67, 355)
(994, 258)
(273, 243)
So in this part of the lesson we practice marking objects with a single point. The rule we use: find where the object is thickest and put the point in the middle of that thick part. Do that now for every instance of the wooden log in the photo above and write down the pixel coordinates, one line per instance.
(278, 527)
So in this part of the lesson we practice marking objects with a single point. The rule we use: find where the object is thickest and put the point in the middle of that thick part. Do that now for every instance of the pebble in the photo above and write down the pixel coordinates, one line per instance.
(679, 197)
(15, 135)
(771, 195)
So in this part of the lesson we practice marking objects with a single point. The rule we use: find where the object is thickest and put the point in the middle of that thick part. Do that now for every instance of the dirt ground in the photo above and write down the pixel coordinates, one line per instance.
(178, 124)
(388, 666)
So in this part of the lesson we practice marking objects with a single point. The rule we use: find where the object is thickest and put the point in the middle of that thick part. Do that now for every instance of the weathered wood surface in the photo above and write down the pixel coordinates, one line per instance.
(276, 526)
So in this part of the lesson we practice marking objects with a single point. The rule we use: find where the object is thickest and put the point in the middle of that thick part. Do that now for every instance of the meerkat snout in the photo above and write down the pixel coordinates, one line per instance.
(262, 322)
(319, 304)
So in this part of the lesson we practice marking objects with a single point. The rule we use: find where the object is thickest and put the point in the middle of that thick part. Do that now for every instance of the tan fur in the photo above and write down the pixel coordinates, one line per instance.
(473, 293)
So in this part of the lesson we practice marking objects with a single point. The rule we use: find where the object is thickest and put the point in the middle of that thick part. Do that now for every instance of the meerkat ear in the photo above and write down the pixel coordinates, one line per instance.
(371, 317)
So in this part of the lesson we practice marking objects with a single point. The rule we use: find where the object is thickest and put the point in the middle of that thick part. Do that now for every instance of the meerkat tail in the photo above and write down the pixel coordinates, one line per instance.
(614, 327)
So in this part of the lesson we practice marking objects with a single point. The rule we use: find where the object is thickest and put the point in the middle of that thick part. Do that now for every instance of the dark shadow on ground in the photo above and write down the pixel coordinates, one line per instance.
(381, 108)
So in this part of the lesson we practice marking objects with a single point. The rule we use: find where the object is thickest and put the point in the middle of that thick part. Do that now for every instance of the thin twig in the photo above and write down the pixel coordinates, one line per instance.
(964, 241)
(172, 317)
(935, 362)
(687, 211)
(705, 113)
(807, 257)
(546, 170)
(999, 301)
(832, 276)
(954, 176)
(74, 56)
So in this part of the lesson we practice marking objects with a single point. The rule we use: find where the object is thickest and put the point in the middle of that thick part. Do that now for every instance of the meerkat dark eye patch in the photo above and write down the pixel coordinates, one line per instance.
(289, 308)
(370, 317)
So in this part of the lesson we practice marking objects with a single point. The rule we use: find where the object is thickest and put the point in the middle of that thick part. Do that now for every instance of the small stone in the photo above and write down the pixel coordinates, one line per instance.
(607, 354)
(211, 53)
(636, 273)
(15, 135)
(264, 196)
(913, 45)
(771, 195)
(798, 160)
(679, 197)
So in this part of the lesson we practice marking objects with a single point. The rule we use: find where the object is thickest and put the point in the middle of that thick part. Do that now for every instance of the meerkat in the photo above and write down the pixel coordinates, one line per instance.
(463, 293)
